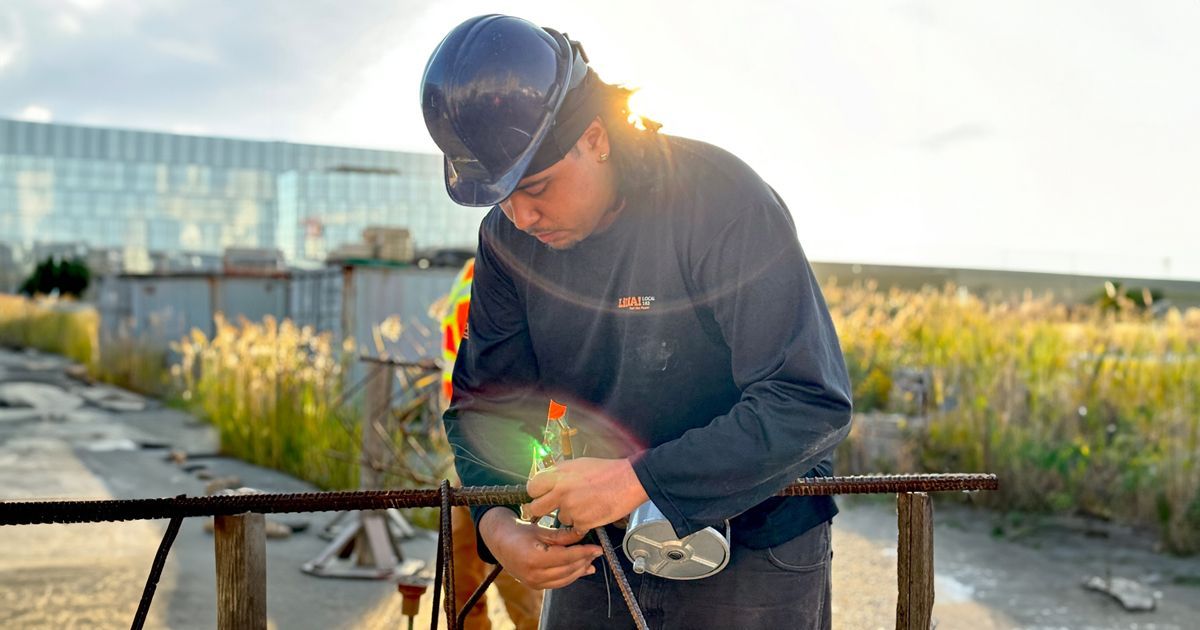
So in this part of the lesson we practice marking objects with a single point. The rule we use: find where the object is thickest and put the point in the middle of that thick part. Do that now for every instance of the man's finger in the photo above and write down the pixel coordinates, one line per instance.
(557, 571)
(559, 555)
(575, 574)
(552, 566)
(541, 483)
(570, 570)
(561, 537)
(543, 504)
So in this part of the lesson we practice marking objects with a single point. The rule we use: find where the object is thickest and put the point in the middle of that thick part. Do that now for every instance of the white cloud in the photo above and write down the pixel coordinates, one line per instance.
(367, 115)
(89, 5)
(68, 23)
(35, 113)
(195, 53)
(911, 132)
(11, 38)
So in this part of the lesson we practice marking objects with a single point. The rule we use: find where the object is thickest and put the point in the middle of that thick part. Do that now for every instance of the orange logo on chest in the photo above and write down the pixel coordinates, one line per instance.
(635, 302)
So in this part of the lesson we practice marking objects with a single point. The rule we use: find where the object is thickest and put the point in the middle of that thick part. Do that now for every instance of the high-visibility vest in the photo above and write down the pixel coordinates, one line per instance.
(454, 324)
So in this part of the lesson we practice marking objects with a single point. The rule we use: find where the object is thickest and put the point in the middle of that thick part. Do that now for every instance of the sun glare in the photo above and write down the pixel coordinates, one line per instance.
(642, 106)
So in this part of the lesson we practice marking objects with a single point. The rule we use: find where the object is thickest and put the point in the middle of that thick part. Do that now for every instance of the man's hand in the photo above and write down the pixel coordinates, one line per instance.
(587, 492)
(534, 562)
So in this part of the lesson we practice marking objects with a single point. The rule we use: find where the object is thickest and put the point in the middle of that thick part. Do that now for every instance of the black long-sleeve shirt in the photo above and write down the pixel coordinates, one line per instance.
(690, 336)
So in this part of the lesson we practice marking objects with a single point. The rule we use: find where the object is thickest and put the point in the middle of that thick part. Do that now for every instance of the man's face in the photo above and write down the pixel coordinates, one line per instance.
(568, 201)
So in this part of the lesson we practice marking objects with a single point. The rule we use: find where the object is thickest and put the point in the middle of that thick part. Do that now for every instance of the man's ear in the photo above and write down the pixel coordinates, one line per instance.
(595, 139)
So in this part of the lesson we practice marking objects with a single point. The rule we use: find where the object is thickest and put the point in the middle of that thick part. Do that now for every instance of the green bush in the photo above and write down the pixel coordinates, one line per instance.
(64, 277)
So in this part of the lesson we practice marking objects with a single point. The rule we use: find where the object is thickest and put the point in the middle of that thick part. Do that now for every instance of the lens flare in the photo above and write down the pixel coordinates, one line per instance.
(524, 270)
(642, 107)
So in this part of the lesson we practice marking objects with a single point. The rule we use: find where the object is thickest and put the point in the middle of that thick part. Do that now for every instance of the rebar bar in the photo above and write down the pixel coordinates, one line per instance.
(39, 512)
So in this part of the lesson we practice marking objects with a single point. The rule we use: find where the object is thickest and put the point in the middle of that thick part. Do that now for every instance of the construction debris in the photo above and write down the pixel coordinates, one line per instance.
(113, 399)
(44, 397)
(273, 529)
(1132, 595)
(222, 483)
(111, 444)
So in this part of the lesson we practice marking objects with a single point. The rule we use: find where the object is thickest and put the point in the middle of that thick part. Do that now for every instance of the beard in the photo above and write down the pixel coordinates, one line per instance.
(562, 246)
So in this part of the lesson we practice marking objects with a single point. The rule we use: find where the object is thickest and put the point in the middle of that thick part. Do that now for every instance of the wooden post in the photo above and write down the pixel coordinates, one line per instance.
(214, 302)
(376, 426)
(241, 549)
(914, 604)
(374, 546)
(349, 310)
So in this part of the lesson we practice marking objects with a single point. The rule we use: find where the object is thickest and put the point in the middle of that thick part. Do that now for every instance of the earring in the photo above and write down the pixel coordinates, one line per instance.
(603, 157)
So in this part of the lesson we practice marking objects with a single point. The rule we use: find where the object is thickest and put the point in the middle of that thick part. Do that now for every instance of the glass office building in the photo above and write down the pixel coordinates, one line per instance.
(318, 210)
(142, 194)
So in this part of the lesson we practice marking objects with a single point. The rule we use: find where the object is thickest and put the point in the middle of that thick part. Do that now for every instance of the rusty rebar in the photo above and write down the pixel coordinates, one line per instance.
(477, 595)
(180, 507)
(39, 512)
(446, 538)
(156, 569)
(614, 564)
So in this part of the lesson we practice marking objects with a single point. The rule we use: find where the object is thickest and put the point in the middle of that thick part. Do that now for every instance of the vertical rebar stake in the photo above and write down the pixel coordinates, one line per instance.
(635, 611)
(439, 571)
(447, 539)
(156, 569)
(477, 595)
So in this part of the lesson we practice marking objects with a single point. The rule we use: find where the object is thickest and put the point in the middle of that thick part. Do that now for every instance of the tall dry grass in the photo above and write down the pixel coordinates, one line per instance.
(281, 396)
(72, 329)
(1091, 409)
(135, 364)
(1078, 409)
(273, 391)
(59, 326)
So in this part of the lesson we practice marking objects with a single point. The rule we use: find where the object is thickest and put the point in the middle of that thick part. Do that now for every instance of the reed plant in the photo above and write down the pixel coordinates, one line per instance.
(274, 392)
(136, 362)
(59, 326)
(1079, 409)
(289, 398)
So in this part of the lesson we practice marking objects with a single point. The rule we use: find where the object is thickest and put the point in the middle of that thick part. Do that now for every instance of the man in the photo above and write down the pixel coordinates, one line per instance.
(656, 286)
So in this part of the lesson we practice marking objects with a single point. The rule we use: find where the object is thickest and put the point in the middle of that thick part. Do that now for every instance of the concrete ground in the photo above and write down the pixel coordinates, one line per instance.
(93, 442)
(1029, 577)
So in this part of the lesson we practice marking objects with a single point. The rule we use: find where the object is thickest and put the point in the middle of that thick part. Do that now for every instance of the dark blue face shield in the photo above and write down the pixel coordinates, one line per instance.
(491, 95)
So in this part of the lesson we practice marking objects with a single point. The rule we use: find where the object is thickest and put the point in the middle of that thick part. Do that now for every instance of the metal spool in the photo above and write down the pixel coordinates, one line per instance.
(651, 545)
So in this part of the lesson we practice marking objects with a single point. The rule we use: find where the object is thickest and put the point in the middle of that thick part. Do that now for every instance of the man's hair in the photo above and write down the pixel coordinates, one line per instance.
(633, 144)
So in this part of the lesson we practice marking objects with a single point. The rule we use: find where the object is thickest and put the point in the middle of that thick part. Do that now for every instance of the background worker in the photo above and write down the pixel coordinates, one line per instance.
(522, 603)
(656, 286)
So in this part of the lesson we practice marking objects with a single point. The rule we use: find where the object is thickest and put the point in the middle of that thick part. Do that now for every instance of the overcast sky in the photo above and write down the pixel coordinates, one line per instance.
(1057, 136)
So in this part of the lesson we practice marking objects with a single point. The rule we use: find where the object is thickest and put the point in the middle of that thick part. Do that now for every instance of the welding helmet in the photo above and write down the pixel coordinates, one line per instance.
(504, 98)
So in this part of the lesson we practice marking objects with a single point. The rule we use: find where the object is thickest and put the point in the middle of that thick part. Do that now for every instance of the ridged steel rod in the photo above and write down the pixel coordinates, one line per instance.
(614, 565)
(39, 512)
